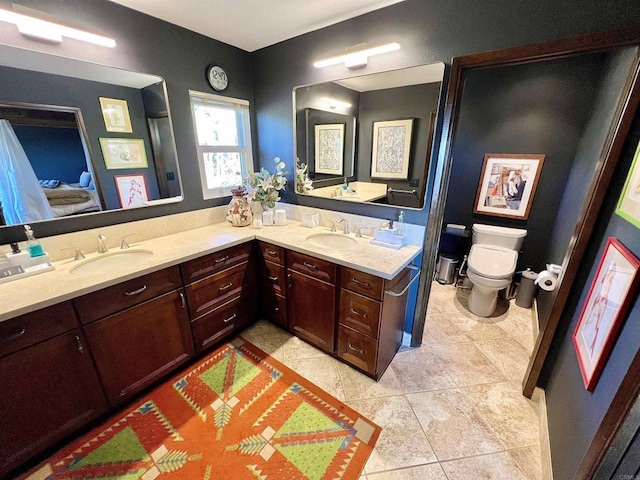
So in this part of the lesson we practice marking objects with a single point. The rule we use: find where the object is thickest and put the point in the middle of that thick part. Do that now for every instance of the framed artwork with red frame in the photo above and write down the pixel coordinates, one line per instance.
(603, 313)
(132, 190)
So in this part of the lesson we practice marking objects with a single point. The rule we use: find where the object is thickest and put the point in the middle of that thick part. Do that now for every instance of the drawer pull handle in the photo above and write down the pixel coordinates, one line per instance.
(273, 279)
(351, 347)
(360, 314)
(136, 292)
(276, 309)
(79, 344)
(225, 287)
(361, 283)
(310, 266)
(15, 336)
(227, 320)
(221, 260)
(270, 252)
(183, 303)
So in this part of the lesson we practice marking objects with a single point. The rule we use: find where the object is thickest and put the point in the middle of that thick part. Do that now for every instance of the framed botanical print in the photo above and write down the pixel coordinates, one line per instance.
(391, 149)
(123, 153)
(116, 115)
(629, 203)
(508, 184)
(329, 148)
(604, 310)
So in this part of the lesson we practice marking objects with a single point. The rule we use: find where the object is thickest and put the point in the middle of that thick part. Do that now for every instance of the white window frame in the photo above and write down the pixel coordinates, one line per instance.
(241, 108)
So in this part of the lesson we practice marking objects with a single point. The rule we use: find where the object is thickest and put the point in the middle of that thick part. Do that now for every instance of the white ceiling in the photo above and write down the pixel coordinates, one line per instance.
(254, 24)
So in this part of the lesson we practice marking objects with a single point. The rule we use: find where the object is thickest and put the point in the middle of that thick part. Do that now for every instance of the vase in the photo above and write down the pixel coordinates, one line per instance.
(239, 211)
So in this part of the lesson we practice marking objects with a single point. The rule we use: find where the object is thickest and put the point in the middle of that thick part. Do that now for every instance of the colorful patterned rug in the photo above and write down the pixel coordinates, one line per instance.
(238, 414)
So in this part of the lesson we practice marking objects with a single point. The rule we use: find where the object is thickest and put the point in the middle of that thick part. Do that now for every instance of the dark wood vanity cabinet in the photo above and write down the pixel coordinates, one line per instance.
(371, 319)
(273, 283)
(311, 299)
(221, 293)
(140, 339)
(50, 386)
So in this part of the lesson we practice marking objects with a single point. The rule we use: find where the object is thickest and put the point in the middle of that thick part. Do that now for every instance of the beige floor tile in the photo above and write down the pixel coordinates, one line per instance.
(527, 341)
(321, 371)
(358, 386)
(518, 321)
(268, 338)
(529, 461)
(496, 466)
(438, 330)
(508, 355)
(511, 417)
(432, 471)
(295, 349)
(420, 370)
(402, 442)
(452, 426)
(466, 364)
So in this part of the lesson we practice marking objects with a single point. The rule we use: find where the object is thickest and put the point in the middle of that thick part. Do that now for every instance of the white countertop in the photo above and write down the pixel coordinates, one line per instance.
(28, 294)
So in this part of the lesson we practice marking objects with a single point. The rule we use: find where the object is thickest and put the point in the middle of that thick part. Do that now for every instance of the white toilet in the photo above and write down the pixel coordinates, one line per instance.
(491, 264)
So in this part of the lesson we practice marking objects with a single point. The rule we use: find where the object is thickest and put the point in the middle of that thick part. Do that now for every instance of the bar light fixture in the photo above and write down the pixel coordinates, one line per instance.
(356, 57)
(333, 103)
(49, 31)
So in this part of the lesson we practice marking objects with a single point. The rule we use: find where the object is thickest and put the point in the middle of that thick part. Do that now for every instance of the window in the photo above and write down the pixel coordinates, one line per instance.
(223, 136)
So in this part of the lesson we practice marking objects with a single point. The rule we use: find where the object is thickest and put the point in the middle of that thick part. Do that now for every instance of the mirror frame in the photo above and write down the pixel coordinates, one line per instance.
(432, 138)
(34, 56)
(629, 101)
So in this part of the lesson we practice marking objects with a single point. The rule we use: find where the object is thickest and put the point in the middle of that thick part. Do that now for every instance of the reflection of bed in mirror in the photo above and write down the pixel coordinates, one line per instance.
(71, 198)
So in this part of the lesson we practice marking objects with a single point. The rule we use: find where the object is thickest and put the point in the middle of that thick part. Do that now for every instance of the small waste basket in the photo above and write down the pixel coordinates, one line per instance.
(527, 289)
(447, 269)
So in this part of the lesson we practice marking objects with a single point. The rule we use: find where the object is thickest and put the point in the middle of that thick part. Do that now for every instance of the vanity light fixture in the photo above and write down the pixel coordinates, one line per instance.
(50, 31)
(333, 103)
(357, 56)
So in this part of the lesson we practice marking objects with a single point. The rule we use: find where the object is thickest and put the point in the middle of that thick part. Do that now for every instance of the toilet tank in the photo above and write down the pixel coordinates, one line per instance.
(499, 236)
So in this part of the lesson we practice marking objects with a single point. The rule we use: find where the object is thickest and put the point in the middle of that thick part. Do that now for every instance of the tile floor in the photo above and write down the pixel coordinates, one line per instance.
(451, 409)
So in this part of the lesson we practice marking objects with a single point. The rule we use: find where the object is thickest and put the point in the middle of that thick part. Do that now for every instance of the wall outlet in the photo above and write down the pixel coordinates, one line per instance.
(414, 182)
(171, 176)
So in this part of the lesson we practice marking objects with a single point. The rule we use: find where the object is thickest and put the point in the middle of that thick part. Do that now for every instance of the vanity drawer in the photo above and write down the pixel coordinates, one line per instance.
(357, 349)
(314, 267)
(360, 313)
(275, 309)
(214, 262)
(363, 283)
(104, 302)
(34, 327)
(272, 253)
(216, 324)
(273, 278)
(211, 292)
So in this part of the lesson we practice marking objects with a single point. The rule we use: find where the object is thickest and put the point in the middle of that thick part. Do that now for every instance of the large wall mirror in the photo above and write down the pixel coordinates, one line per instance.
(80, 138)
(368, 138)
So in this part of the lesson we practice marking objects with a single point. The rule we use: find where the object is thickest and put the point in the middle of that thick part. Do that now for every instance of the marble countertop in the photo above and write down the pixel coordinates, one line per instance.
(28, 294)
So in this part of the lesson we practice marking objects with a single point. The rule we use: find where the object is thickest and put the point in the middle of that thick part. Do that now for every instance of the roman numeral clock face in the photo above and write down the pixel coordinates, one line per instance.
(217, 78)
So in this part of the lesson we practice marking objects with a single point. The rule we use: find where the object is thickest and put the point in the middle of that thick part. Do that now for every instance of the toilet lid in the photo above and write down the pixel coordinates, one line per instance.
(491, 261)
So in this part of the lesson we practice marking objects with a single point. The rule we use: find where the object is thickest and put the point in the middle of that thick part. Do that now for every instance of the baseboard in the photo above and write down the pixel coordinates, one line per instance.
(535, 318)
(545, 448)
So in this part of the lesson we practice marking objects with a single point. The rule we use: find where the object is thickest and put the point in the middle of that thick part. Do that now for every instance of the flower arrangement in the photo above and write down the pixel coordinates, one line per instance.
(262, 187)
(303, 182)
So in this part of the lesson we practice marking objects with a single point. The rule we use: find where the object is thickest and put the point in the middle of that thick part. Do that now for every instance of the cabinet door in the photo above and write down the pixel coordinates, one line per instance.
(137, 346)
(49, 390)
(311, 310)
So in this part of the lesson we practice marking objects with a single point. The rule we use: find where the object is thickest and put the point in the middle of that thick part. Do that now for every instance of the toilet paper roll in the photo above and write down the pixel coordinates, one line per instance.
(546, 280)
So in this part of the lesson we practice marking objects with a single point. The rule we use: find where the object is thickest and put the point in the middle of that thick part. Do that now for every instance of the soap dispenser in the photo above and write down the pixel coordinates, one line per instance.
(33, 244)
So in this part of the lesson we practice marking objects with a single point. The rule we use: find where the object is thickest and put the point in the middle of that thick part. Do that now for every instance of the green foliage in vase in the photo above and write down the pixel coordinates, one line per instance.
(303, 182)
(263, 187)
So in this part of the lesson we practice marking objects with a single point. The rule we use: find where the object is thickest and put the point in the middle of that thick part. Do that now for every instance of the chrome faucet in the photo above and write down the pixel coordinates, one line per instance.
(345, 229)
(102, 247)
(337, 192)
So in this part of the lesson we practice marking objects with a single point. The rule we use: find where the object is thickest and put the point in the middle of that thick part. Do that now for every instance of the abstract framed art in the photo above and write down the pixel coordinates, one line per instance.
(132, 190)
(391, 149)
(603, 313)
(507, 184)
(629, 203)
(329, 148)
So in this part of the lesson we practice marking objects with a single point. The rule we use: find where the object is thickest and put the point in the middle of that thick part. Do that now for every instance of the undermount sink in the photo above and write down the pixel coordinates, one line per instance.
(334, 241)
(111, 261)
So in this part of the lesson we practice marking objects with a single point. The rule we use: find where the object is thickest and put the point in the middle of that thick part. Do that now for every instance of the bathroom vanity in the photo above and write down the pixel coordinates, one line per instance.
(87, 343)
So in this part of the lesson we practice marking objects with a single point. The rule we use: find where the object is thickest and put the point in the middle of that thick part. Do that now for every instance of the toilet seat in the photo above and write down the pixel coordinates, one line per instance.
(492, 262)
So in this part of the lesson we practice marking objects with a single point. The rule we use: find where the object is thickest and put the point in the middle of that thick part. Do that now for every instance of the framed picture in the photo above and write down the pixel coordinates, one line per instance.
(508, 184)
(329, 148)
(132, 190)
(116, 115)
(603, 313)
(629, 203)
(123, 153)
(391, 149)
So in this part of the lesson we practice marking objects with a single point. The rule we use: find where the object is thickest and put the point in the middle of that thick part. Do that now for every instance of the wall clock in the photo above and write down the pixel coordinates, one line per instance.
(217, 78)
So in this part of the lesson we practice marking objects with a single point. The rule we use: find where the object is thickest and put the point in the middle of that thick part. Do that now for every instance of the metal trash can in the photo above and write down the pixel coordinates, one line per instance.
(527, 289)
(447, 269)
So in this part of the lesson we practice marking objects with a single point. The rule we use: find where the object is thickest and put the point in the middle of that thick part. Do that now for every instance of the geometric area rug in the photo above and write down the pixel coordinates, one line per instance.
(237, 414)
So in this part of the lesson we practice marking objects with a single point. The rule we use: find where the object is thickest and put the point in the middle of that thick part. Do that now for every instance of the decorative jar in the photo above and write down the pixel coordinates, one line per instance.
(239, 212)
